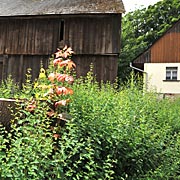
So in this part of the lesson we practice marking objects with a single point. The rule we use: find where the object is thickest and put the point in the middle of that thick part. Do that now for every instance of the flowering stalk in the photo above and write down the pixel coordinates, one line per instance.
(55, 86)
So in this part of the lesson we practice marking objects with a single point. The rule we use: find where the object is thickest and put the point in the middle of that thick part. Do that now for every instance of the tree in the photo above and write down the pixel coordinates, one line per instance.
(142, 27)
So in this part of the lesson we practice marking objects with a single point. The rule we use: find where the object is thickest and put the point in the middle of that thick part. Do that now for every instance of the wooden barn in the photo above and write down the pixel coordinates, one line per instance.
(31, 30)
(160, 63)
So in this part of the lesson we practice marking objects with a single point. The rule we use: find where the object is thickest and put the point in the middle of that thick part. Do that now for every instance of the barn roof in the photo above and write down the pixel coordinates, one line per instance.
(45, 7)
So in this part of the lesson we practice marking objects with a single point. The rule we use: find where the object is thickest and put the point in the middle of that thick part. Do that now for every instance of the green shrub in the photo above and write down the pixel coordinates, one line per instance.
(8, 88)
(29, 147)
(121, 134)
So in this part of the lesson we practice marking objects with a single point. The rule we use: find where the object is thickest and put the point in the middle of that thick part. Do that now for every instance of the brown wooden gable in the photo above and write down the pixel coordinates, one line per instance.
(165, 50)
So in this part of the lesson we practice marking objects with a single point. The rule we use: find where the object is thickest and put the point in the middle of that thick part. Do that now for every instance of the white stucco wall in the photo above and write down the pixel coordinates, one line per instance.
(155, 78)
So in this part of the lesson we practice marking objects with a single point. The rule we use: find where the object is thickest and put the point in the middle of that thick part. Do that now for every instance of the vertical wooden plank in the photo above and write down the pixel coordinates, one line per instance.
(90, 35)
(17, 36)
(25, 36)
(116, 33)
(81, 40)
(1, 71)
(103, 38)
(5, 66)
(109, 36)
(3, 27)
(20, 72)
(51, 33)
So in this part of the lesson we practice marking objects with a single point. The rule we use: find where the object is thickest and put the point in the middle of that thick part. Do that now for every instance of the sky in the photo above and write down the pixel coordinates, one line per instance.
(131, 5)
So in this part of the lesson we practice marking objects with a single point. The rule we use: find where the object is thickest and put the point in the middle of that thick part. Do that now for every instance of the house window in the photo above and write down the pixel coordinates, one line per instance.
(171, 73)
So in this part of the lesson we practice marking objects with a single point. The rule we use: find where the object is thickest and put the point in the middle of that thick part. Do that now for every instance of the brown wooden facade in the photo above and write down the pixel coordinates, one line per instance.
(27, 40)
(165, 50)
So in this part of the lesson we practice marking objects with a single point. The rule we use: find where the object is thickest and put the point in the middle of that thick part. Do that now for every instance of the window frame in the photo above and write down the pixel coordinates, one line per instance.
(171, 73)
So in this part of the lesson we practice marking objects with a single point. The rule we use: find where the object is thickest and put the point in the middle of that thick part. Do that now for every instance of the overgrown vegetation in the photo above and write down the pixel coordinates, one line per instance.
(112, 134)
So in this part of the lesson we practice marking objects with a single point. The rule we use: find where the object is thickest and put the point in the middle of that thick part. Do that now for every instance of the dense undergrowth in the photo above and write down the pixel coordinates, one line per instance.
(121, 134)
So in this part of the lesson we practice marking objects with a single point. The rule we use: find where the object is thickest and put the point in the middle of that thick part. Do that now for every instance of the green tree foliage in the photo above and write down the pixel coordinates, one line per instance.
(142, 27)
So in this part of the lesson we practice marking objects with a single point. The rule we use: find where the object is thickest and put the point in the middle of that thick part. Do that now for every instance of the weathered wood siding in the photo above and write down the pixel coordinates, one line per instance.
(105, 67)
(86, 35)
(17, 66)
(28, 36)
(27, 41)
(94, 34)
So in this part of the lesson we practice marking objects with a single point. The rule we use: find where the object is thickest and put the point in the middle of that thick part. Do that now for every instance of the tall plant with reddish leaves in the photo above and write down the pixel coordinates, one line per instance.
(54, 86)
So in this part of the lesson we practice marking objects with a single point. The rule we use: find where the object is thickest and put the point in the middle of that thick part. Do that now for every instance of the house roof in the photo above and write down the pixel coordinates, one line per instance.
(46, 7)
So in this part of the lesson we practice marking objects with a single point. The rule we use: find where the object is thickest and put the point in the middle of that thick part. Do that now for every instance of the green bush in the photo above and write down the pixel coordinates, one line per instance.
(8, 88)
(121, 134)
(12, 90)
(28, 147)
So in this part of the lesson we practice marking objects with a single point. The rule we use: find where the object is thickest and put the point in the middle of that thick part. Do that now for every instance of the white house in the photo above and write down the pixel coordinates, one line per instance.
(160, 63)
